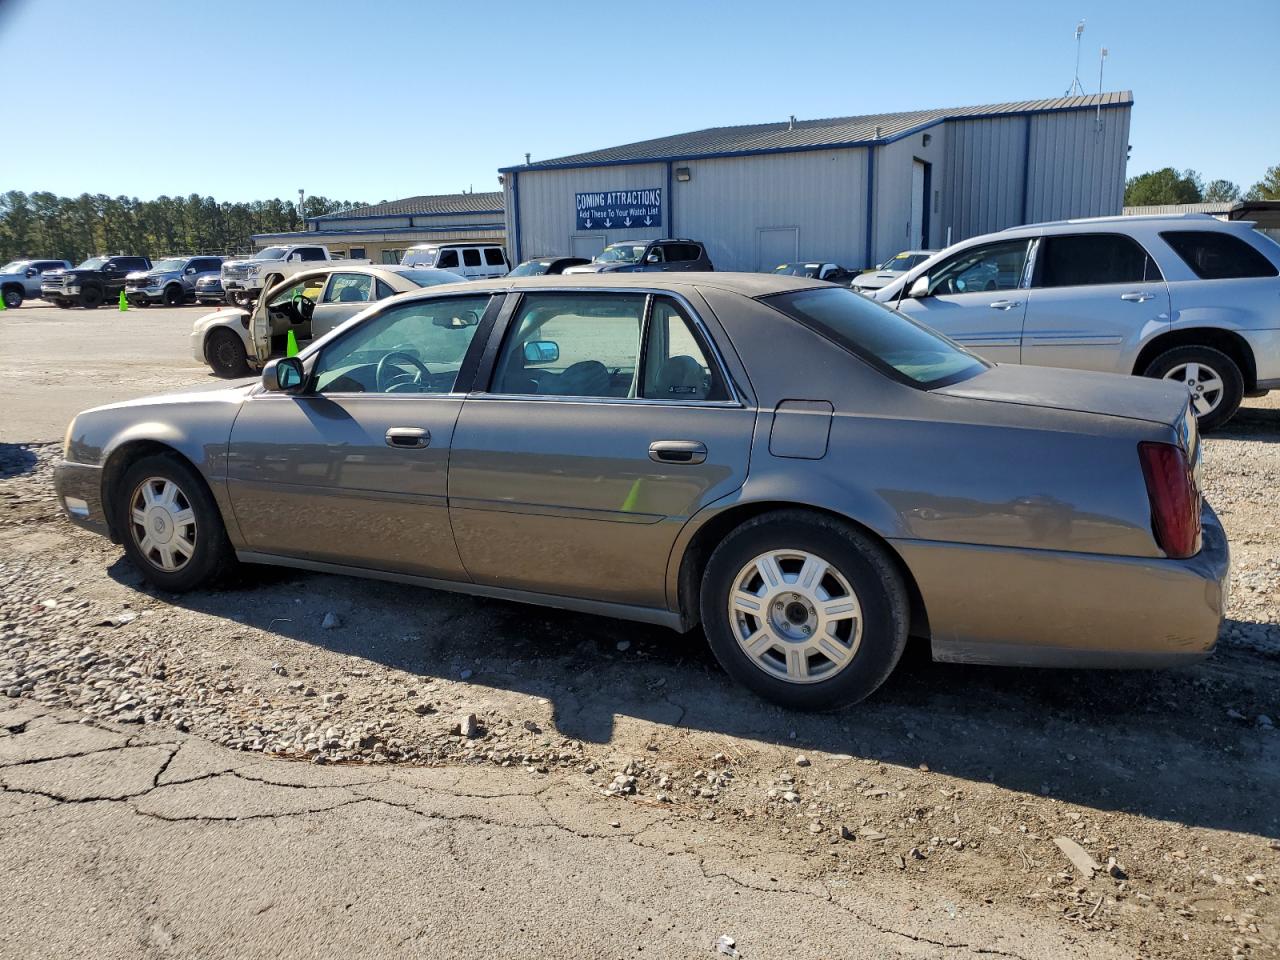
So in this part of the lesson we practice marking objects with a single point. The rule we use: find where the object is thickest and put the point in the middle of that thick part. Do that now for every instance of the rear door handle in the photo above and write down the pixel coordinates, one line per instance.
(1137, 297)
(408, 438)
(1005, 304)
(678, 451)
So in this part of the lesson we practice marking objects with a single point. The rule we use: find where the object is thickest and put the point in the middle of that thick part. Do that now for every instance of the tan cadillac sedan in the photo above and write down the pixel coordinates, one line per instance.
(808, 475)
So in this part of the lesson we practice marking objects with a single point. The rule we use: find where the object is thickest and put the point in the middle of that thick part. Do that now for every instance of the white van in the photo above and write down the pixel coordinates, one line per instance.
(473, 259)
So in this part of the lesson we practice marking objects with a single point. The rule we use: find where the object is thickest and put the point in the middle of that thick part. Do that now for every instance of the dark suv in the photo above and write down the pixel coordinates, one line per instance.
(92, 283)
(640, 256)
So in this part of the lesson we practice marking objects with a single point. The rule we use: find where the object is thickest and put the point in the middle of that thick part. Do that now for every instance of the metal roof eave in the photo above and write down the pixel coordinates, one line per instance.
(810, 147)
(334, 217)
(304, 235)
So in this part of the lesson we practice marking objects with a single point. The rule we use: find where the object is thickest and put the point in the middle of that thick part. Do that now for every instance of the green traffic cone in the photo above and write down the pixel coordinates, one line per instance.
(3, 305)
(291, 347)
(124, 302)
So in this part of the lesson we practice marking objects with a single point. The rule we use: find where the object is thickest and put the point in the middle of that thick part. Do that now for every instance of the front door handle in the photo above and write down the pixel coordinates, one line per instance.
(408, 438)
(1005, 304)
(1137, 297)
(678, 451)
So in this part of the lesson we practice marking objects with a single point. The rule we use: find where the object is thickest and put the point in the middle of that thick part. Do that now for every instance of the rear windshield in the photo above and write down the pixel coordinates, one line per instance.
(894, 344)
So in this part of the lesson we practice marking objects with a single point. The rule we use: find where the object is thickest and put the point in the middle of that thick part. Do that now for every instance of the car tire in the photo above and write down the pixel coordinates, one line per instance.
(12, 298)
(173, 295)
(170, 525)
(91, 298)
(857, 606)
(225, 353)
(1213, 381)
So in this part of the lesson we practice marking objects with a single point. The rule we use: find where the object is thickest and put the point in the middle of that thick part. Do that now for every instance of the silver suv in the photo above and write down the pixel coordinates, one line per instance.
(1182, 297)
(20, 279)
(171, 281)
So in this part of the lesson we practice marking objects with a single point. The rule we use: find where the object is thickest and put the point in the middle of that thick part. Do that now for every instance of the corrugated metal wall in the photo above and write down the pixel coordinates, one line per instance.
(548, 212)
(982, 183)
(1077, 164)
(729, 203)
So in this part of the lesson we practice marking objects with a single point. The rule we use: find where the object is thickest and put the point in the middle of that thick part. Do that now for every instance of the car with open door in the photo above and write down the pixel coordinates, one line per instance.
(809, 476)
(310, 304)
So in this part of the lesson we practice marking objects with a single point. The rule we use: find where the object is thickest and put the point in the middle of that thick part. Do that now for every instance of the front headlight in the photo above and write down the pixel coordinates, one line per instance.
(253, 271)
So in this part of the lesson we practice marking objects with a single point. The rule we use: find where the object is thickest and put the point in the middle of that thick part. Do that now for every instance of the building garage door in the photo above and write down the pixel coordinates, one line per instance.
(586, 246)
(776, 245)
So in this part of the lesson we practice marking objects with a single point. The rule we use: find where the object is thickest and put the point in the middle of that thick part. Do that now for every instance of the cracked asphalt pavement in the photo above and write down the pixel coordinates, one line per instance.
(305, 765)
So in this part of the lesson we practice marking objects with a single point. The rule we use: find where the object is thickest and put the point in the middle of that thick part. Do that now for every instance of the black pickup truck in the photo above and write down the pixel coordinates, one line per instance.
(97, 281)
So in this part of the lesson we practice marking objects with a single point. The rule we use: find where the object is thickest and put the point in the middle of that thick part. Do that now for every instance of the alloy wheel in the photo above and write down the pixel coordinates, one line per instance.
(1203, 383)
(163, 524)
(795, 616)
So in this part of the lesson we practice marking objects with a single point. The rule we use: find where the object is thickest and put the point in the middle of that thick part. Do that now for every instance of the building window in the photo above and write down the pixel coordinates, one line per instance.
(392, 256)
(357, 253)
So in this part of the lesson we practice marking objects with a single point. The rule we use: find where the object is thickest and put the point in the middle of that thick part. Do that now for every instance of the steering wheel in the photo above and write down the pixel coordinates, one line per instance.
(303, 306)
(388, 381)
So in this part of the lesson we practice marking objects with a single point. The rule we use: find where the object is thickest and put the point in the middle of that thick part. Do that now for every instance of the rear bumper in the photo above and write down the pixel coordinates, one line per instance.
(1043, 608)
(79, 490)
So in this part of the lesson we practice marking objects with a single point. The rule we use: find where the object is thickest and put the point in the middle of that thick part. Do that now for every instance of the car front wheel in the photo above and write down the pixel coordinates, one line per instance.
(1212, 380)
(226, 354)
(172, 530)
(804, 610)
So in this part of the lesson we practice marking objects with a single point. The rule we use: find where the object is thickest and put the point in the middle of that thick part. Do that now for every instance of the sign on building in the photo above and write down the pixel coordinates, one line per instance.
(619, 209)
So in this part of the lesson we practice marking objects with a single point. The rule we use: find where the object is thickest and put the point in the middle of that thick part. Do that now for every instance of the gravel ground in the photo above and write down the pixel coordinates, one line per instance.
(959, 786)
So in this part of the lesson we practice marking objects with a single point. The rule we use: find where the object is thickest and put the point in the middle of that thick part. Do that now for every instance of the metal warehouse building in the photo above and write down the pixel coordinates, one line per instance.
(854, 190)
(383, 231)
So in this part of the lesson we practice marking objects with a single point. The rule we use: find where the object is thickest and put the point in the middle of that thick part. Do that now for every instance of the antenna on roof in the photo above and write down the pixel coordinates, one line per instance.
(1077, 88)
(526, 159)
(791, 124)
(1102, 62)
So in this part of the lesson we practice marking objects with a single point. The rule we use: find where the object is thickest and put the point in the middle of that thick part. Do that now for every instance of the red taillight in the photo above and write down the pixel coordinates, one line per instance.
(1175, 501)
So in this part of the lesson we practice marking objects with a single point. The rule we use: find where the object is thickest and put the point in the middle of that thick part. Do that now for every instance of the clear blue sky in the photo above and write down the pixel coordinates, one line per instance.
(377, 100)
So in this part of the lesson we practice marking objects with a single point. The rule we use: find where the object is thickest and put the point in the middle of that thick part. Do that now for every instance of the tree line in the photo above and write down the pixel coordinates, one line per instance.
(43, 224)
(1187, 186)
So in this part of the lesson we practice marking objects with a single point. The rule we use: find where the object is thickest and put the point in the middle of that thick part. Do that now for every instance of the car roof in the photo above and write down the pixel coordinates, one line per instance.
(1089, 224)
(746, 284)
(456, 243)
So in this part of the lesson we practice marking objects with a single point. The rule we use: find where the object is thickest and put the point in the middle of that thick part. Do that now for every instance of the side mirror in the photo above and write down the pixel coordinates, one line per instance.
(190, 270)
(283, 376)
(653, 258)
(541, 351)
(919, 287)
(32, 271)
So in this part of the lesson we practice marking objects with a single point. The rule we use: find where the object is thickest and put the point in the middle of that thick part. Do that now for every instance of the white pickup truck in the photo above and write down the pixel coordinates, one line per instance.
(243, 280)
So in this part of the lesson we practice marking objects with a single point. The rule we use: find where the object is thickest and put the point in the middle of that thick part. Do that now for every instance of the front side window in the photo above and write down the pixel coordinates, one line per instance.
(448, 260)
(312, 253)
(991, 266)
(412, 348)
(621, 253)
(676, 365)
(308, 289)
(572, 345)
(349, 288)
(1217, 255)
(895, 344)
(1092, 258)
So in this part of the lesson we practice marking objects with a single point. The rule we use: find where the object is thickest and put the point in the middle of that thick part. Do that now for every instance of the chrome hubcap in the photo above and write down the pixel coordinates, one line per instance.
(795, 616)
(162, 524)
(1202, 383)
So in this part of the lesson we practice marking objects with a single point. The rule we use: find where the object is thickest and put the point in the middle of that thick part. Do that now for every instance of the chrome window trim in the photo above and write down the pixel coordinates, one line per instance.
(735, 401)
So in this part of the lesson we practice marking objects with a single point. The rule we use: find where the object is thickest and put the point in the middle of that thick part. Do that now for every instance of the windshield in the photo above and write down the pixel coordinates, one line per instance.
(903, 262)
(621, 253)
(420, 257)
(893, 343)
(531, 268)
(797, 269)
(15, 266)
(172, 265)
(270, 253)
(93, 263)
(431, 278)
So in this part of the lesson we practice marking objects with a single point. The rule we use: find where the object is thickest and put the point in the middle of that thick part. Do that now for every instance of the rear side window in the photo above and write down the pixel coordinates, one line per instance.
(385, 290)
(890, 342)
(470, 257)
(680, 252)
(1092, 258)
(1215, 255)
(494, 258)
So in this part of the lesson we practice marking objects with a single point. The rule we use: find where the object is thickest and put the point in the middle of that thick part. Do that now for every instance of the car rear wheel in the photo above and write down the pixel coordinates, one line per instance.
(172, 529)
(173, 295)
(226, 354)
(12, 298)
(1212, 380)
(804, 610)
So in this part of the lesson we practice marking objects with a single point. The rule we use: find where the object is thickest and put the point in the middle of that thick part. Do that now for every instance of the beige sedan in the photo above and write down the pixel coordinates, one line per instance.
(235, 341)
